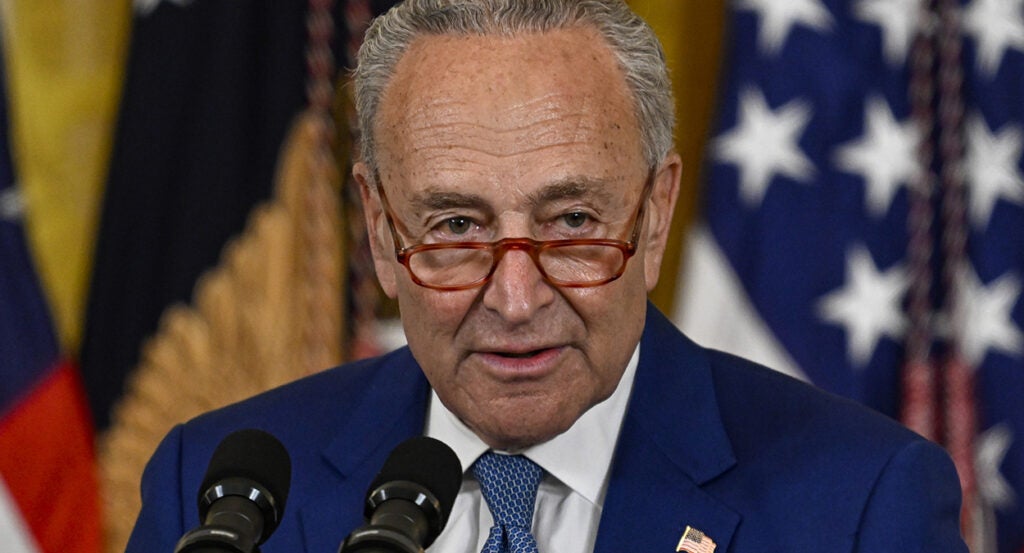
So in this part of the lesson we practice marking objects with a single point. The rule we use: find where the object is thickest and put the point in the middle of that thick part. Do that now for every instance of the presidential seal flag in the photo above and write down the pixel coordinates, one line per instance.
(694, 541)
(863, 222)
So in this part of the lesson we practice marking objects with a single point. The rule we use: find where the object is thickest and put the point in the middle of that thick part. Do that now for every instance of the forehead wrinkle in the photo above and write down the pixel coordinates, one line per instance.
(525, 139)
(520, 129)
(444, 154)
(557, 105)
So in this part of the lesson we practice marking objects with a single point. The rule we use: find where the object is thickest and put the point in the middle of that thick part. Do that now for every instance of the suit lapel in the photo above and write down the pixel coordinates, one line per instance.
(393, 410)
(672, 442)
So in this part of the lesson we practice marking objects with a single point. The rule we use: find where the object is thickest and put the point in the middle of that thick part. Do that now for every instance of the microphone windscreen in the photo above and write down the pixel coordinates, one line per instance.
(252, 454)
(427, 462)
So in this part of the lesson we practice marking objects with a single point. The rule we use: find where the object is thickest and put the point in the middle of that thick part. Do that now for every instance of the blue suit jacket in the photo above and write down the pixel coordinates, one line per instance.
(757, 461)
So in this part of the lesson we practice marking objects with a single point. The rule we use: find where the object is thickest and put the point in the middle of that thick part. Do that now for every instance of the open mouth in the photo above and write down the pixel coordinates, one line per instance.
(524, 355)
(527, 364)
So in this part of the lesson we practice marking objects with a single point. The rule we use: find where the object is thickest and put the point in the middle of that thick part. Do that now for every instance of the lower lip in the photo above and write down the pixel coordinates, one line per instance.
(534, 366)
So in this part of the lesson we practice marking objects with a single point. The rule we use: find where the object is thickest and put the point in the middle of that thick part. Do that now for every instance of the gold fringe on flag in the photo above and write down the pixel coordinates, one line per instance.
(271, 312)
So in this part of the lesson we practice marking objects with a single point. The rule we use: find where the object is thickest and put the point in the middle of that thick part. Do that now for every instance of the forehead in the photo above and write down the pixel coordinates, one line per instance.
(530, 108)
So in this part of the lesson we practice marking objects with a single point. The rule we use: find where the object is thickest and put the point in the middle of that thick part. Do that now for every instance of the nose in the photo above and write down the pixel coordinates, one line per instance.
(517, 290)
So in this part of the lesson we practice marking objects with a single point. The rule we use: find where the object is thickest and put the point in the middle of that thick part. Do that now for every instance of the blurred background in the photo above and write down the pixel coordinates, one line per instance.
(178, 230)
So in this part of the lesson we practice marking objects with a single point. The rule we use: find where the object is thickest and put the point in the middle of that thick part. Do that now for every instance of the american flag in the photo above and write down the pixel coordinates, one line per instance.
(864, 215)
(48, 491)
(694, 541)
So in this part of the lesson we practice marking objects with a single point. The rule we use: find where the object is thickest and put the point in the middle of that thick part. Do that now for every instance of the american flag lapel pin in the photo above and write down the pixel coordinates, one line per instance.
(694, 541)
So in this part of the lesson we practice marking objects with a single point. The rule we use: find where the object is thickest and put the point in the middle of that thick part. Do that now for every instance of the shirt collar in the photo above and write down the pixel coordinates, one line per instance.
(580, 457)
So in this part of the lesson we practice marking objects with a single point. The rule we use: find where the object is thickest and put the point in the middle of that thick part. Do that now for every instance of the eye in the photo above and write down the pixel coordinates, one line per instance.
(459, 225)
(575, 219)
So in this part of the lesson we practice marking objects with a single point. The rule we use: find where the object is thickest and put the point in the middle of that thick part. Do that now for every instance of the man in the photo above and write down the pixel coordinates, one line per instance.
(519, 180)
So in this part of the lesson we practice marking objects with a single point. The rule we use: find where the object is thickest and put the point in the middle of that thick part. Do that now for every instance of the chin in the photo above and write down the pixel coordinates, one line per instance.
(515, 443)
(521, 434)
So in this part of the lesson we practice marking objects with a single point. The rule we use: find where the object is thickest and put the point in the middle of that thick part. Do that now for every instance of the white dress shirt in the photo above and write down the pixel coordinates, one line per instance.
(571, 494)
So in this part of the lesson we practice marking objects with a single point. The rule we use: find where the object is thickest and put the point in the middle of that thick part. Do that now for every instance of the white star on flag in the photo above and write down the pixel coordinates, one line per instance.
(764, 144)
(779, 16)
(884, 155)
(898, 19)
(990, 451)
(146, 7)
(991, 169)
(12, 205)
(996, 26)
(868, 306)
(986, 321)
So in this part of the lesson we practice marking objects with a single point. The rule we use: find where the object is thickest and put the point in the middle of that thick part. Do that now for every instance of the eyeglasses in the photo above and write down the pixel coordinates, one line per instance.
(576, 263)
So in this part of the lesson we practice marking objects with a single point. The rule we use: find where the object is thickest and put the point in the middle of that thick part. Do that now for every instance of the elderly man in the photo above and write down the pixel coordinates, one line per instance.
(519, 180)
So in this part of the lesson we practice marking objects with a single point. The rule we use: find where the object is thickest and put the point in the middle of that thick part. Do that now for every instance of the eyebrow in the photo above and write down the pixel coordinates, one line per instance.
(569, 188)
(438, 200)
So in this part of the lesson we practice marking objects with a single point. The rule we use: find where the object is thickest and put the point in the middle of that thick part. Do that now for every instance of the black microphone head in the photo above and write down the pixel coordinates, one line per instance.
(408, 503)
(252, 455)
(427, 462)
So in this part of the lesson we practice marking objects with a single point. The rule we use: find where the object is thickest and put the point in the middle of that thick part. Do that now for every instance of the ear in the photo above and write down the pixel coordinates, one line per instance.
(661, 206)
(377, 228)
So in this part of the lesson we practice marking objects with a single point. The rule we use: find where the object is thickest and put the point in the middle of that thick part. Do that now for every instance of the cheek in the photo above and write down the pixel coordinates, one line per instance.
(614, 315)
(624, 294)
(431, 319)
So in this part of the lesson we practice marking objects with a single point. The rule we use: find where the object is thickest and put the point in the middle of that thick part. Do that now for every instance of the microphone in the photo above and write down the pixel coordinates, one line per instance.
(408, 503)
(241, 500)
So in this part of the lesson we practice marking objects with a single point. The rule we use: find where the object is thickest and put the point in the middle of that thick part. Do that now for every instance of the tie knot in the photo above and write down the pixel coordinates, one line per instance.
(509, 486)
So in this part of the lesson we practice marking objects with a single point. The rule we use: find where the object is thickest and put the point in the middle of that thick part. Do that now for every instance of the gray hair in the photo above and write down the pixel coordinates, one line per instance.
(630, 39)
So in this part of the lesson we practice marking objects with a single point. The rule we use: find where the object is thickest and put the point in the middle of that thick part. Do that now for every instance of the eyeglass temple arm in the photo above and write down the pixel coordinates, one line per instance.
(386, 207)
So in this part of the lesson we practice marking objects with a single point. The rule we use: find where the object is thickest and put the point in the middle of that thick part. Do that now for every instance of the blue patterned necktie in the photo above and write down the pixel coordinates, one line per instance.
(509, 485)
